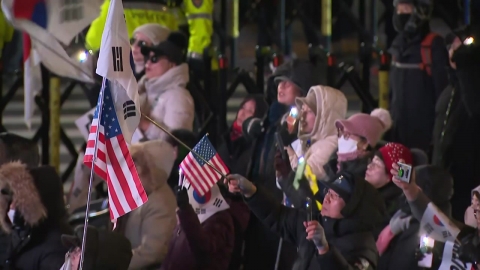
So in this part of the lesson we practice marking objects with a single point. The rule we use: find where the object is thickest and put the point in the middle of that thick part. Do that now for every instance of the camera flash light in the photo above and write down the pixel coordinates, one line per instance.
(469, 41)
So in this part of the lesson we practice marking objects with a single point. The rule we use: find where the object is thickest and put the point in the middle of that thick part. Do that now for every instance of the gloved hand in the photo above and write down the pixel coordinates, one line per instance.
(182, 197)
(400, 222)
(238, 183)
(282, 166)
(384, 239)
(316, 233)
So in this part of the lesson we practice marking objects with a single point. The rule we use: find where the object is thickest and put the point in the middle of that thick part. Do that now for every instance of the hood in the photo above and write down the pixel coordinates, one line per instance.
(176, 77)
(437, 184)
(36, 193)
(331, 106)
(154, 162)
(14, 147)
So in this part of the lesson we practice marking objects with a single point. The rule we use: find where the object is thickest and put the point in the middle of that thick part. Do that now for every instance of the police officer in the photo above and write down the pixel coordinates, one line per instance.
(137, 13)
(418, 74)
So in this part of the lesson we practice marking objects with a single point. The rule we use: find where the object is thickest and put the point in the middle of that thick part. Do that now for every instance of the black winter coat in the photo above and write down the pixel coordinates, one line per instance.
(349, 240)
(413, 92)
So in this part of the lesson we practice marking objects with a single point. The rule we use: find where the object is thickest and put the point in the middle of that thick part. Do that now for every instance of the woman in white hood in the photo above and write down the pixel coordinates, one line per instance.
(317, 133)
(163, 88)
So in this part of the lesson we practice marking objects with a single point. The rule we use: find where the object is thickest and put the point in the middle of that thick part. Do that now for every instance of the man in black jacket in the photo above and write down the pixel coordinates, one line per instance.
(418, 74)
(457, 124)
(340, 237)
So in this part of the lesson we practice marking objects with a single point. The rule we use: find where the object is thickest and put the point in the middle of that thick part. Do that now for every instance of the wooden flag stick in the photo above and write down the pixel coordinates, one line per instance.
(184, 145)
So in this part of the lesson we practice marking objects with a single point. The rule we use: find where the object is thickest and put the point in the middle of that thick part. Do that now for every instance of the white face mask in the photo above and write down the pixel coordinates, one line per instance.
(11, 214)
(346, 146)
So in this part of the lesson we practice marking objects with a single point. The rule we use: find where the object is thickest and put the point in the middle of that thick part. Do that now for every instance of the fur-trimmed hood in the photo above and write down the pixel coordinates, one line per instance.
(154, 162)
(36, 193)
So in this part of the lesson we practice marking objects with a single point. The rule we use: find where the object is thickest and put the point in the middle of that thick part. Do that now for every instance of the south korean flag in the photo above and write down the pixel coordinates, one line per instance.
(436, 225)
(207, 205)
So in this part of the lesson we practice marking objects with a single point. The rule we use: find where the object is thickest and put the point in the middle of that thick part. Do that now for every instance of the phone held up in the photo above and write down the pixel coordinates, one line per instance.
(404, 172)
(309, 209)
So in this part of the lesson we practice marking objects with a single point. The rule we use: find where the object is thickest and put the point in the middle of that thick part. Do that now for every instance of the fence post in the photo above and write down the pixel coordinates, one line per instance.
(54, 129)
(223, 82)
(235, 33)
(327, 23)
(383, 85)
(44, 133)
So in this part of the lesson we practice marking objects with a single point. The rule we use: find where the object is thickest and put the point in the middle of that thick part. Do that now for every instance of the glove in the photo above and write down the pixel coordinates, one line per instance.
(282, 166)
(400, 222)
(384, 239)
(241, 184)
(182, 197)
(316, 233)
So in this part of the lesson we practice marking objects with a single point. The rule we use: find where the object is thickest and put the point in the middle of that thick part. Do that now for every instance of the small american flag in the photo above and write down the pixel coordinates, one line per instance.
(114, 162)
(197, 172)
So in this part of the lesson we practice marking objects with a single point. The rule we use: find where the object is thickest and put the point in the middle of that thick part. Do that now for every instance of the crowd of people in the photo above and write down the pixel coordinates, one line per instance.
(309, 187)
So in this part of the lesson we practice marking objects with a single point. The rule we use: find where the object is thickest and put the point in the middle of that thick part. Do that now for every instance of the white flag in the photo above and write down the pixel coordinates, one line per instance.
(68, 18)
(450, 258)
(436, 225)
(207, 205)
(114, 65)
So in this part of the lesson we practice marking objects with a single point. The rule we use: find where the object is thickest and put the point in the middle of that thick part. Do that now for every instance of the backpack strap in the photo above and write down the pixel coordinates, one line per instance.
(426, 52)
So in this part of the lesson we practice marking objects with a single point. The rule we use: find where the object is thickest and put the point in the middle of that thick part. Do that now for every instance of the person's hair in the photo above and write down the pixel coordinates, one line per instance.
(476, 194)
(183, 135)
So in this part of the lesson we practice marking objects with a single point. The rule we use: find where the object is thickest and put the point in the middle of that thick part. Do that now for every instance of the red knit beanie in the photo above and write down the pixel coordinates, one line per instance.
(392, 153)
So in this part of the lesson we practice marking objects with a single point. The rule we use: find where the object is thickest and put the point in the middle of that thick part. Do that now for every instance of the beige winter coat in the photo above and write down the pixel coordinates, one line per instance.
(167, 101)
(149, 228)
(331, 106)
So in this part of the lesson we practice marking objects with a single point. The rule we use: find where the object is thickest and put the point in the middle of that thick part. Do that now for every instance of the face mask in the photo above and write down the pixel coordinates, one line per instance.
(346, 146)
(11, 214)
(400, 20)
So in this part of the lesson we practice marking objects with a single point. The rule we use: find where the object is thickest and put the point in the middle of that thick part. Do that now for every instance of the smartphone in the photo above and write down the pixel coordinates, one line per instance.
(281, 146)
(292, 119)
(309, 209)
(404, 172)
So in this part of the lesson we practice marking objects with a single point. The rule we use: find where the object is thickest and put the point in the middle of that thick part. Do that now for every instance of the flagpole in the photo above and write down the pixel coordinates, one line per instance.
(184, 145)
(89, 197)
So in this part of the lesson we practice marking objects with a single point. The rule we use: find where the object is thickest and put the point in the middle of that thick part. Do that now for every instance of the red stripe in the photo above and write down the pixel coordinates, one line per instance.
(115, 200)
(122, 181)
(27, 46)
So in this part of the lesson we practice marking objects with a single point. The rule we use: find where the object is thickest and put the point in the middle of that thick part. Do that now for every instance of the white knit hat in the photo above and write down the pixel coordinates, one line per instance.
(155, 32)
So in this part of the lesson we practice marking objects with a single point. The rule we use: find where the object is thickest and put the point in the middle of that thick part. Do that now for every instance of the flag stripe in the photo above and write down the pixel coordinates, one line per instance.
(197, 170)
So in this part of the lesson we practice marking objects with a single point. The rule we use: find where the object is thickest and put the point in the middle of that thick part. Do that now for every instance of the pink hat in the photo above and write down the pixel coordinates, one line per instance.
(369, 126)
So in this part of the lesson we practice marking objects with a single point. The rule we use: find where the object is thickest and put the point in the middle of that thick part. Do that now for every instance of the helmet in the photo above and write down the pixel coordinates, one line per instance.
(421, 14)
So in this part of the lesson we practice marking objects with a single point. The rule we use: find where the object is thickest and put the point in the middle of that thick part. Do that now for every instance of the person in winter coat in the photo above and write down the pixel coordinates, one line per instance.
(339, 238)
(357, 137)
(163, 88)
(15, 148)
(204, 236)
(235, 149)
(320, 109)
(34, 216)
(378, 174)
(290, 80)
(149, 228)
(104, 250)
(456, 148)
(415, 83)
(399, 240)
(147, 35)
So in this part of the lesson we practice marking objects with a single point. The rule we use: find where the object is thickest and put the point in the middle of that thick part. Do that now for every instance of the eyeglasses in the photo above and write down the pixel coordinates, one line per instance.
(153, 59)
(138, 42)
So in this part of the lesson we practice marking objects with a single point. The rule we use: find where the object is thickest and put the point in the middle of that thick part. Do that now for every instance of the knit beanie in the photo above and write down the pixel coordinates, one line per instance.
(155, 32)
(392, 153)
(369, 126)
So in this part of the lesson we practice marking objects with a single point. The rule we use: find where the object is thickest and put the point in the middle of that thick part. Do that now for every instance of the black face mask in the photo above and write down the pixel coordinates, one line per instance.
(399, 21)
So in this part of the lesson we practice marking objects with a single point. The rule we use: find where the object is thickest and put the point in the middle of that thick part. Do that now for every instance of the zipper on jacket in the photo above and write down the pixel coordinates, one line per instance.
(447, 114)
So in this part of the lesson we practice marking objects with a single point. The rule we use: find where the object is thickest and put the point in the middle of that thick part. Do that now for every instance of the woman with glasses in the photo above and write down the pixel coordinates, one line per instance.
(147, 35)
(167, 101)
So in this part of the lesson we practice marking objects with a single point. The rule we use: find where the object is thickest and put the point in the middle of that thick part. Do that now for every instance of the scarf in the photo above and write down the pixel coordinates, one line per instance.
(236, 131)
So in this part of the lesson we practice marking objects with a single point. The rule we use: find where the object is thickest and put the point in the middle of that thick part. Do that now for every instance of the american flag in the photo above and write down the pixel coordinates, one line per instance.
(197, 172)
(114, 162)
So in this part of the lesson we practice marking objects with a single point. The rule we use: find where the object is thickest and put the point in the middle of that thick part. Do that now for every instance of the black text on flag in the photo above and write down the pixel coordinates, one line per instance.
(129, 109)
(428, 228)
(71, 10)
(117, 59)
(217, 202)
(200, 211)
